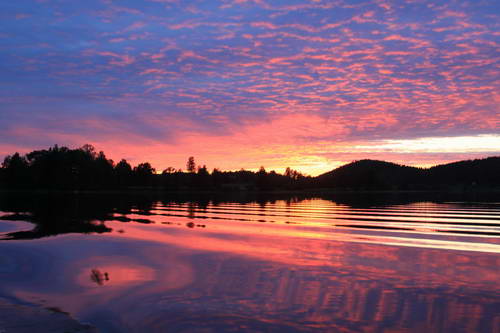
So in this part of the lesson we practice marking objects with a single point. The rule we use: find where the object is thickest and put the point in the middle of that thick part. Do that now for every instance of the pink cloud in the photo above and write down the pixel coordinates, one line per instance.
(118, 59)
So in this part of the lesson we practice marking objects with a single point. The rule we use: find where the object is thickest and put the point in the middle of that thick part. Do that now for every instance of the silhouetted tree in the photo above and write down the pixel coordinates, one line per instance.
(16, 170)
(261, 181)
(191, 165)
(104, 170)
(89, 150)
(123, 172)
(203, 178)
(144, 173)
(217, 178)
(293, 174)
(168, 170)
(202, 170)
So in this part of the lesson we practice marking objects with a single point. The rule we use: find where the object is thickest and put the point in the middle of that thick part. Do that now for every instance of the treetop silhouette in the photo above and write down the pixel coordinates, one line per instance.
(61, 168)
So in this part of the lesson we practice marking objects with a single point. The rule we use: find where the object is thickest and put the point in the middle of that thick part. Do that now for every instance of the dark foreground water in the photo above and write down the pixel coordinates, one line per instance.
(352, 264)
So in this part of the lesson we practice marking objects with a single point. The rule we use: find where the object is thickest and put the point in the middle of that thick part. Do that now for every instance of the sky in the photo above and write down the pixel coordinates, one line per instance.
(306, 84)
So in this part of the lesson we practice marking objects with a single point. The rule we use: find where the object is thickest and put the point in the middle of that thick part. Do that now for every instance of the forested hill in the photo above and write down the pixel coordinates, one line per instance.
(372, 174)
(482, 172)
(368, 174)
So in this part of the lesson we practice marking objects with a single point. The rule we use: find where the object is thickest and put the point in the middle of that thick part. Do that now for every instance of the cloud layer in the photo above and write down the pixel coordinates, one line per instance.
(275, 83)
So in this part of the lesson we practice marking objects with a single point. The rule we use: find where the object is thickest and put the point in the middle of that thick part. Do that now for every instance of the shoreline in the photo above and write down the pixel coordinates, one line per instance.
(324, 191)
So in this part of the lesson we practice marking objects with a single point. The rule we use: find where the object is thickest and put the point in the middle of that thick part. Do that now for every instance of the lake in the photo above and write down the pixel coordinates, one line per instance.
(377, 263)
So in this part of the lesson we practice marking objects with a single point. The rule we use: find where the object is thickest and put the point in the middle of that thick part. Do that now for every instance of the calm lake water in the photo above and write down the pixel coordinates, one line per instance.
(146, 264)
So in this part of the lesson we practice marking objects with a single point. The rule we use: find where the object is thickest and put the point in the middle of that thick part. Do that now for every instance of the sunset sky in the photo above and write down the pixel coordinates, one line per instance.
(309, 84)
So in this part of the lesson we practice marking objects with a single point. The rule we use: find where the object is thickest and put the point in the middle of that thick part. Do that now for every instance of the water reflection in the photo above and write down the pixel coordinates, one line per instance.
(62, 214)
(293, 265)
(98, 277)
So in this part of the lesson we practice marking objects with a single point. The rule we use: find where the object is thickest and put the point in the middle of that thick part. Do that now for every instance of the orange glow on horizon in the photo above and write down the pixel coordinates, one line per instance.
(303, 142)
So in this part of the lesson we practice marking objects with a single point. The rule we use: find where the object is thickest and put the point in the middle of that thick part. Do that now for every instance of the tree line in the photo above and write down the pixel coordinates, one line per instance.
(61, 168)
(83, 168)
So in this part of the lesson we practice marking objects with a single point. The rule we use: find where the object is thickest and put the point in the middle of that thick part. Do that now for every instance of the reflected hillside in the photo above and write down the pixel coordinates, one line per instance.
(57, 214)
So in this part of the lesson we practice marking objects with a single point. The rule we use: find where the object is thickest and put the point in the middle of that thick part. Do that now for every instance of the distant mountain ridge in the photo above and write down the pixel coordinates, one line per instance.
(374, 174)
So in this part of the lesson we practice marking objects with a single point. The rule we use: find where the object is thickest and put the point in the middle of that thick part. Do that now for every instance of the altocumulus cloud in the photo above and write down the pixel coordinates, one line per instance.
(310, 83)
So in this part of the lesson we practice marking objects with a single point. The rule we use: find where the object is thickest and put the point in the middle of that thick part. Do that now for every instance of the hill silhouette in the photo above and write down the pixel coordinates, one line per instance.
(381, 175)
(370, 174)
(61, 168)
(481, 172)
